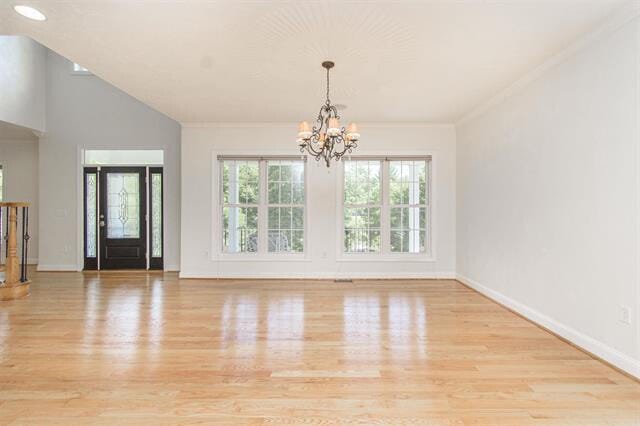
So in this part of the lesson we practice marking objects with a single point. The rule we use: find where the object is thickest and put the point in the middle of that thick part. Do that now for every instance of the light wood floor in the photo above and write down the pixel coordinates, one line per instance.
(132, 348)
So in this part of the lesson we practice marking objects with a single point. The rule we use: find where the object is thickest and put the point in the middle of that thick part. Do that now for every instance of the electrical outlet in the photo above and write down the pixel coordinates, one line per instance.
(625, 314)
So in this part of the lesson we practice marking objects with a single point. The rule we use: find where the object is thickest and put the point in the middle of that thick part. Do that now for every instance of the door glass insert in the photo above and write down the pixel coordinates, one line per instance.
(123, 201)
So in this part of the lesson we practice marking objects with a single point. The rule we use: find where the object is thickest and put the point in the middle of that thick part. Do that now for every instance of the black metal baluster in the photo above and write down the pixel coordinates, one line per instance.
(6, 234)
(1, 233)
(25, 243)
(22, 251)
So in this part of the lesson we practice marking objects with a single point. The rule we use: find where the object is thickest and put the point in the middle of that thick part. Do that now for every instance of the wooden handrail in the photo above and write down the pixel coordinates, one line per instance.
(14, 204)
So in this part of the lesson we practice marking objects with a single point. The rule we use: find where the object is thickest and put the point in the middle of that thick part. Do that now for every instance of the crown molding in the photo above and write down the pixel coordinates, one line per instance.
(208, 125)
(623, 15)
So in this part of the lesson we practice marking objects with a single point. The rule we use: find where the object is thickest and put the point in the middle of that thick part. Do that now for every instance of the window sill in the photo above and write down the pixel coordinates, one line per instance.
(240, 257)
(374, 257)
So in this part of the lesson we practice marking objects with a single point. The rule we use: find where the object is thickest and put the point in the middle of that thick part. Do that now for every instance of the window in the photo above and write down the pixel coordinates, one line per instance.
(286, 206)
(121, 157)
(408, 205)
(79, 69)
(263, 205)
(91, 200)
(156, 212)
(386, 205)
(362, 206)
(241, 193)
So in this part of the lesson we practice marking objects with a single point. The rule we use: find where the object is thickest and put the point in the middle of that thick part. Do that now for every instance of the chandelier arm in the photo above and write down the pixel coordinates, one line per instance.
(312, 151)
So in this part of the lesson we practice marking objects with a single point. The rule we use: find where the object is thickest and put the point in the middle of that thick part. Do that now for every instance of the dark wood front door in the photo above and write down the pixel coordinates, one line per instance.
(122, 218)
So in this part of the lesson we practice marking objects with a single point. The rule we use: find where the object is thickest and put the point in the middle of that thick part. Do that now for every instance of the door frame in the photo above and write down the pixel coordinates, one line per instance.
(144, 218)
(152, 263)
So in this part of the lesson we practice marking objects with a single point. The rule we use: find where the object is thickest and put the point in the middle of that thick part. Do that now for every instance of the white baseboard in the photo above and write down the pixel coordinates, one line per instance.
(315, 276)
(596, 347)
(57, 268)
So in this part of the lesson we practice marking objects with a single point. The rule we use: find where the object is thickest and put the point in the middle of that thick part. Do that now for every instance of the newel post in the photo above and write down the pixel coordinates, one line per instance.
(13, 267)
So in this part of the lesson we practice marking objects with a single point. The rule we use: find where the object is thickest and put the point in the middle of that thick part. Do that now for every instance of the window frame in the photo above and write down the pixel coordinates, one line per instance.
(367, 206)
(240, 205)
(292, 205)
(262, 254)
(385, 253)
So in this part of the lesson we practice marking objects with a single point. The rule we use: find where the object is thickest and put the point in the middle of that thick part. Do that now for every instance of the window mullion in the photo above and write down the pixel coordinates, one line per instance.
(385, 213)
(262, 208)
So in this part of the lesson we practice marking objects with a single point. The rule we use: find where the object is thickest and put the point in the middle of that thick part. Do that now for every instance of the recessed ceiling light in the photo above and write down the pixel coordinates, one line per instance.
(30, 12)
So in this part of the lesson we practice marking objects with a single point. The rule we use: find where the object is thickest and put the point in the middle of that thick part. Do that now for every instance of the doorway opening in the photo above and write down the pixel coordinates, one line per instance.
(123, 214)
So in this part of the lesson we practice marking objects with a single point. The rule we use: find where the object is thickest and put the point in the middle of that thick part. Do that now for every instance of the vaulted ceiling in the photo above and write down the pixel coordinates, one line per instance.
(401, 61)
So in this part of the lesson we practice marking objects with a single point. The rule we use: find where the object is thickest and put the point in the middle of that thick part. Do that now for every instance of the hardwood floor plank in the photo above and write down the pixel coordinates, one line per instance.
(135, 348)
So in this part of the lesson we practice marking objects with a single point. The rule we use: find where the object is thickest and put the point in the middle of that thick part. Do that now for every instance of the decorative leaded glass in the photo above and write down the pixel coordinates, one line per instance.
(156, 211)
(91, 191)
(123, 201)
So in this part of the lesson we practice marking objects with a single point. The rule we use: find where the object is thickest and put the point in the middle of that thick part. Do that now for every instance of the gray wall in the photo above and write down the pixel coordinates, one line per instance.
(19, 161)
(85, 112)
(22, 82)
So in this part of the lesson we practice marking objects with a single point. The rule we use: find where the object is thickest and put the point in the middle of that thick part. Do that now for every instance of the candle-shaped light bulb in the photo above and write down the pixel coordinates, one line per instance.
(304, 130)
(352, 132)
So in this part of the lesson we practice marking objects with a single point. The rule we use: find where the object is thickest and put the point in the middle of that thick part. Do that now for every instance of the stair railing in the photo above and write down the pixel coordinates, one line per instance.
(16, 282)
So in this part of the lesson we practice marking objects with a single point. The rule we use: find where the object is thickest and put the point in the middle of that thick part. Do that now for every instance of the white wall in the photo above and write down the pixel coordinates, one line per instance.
(84, 111)
(22, 86)
(548, 197)
(19, 160)
(201, 143)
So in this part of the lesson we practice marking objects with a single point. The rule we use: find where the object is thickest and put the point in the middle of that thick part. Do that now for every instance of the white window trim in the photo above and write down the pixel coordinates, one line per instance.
(262, 255)
(385, 254)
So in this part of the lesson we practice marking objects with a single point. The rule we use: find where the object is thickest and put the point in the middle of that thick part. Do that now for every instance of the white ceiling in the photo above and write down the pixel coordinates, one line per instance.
(401, 61)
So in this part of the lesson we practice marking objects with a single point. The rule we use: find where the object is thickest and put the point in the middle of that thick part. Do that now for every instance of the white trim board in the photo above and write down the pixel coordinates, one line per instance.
(294, 125)
(589, 344)
(57, 268)
(322, 276)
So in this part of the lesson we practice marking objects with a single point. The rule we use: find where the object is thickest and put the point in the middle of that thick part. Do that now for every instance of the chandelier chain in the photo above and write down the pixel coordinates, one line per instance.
(328, 101)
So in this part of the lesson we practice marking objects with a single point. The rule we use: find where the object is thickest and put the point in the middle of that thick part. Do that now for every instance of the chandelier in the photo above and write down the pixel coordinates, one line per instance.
(327, 140)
